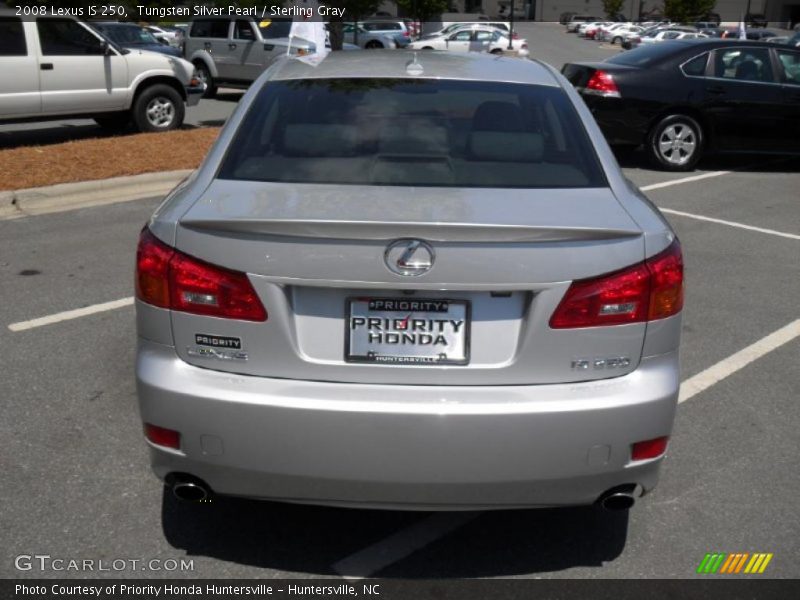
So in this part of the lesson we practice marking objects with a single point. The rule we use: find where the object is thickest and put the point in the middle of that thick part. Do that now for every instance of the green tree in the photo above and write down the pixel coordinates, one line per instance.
(612, 7)
(423, 10)
(354, 11)
(687, 10)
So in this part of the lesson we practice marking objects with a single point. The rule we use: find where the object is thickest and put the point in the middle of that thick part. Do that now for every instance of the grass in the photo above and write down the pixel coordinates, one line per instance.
(101, 158)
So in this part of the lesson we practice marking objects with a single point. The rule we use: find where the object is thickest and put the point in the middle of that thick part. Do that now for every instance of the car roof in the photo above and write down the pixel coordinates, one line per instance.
(435, 64)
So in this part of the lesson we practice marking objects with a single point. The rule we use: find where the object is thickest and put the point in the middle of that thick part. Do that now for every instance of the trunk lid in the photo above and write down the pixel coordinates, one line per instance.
(507, 254)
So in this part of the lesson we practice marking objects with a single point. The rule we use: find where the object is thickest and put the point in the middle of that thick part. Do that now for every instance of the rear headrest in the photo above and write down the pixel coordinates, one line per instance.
(747, 69)
(313, 139)
(506, 147)
(497, 116)
(418, 139)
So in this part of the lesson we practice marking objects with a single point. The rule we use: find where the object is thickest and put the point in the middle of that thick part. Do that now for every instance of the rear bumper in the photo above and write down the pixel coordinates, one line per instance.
(621, 123)
(409, 447)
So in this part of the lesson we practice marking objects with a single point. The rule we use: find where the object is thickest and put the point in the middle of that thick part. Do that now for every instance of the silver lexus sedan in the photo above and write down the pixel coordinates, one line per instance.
(409, 282)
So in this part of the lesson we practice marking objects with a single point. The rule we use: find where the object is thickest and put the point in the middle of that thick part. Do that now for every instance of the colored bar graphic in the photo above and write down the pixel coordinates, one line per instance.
(729, 562)
(741, 562)
(703, 564)
(717, 563)
(765, 563)
(724, 563)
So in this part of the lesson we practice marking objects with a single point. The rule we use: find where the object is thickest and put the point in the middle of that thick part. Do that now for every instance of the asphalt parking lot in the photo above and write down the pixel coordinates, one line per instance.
(75, 469)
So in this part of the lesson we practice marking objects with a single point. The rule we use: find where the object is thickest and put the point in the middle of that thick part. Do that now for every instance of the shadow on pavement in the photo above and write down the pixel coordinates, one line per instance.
(40, 136)
(308, 539)
(629, 158)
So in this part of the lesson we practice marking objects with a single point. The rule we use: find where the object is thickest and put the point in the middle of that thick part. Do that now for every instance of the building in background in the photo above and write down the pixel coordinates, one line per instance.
(779, 12)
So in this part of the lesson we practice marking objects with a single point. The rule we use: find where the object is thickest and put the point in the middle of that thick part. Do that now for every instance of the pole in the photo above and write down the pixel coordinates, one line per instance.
(511, 32)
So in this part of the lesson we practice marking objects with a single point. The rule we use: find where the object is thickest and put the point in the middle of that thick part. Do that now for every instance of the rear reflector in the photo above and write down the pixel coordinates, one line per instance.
(170, 279)
(162, 436)
(602, 84)
(643, 292)
(649, 448)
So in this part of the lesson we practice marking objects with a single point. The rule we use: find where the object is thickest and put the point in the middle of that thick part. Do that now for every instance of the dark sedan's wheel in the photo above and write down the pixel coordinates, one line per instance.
(373, 45)
(158, 108)
(675, 143)
(204, 76)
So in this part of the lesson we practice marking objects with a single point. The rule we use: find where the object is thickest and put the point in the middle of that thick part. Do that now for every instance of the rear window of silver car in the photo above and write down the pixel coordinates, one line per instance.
(421, 132)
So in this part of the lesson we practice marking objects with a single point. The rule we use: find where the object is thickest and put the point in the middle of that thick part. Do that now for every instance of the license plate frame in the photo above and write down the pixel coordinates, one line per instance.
(453, 307)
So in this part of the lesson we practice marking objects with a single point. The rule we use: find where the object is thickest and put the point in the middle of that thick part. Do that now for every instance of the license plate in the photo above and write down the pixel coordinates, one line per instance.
(407, 331)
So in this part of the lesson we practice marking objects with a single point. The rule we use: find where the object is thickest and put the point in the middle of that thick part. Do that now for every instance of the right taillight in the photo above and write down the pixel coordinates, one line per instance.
(602, 83)
(170, 279)
(646, 291)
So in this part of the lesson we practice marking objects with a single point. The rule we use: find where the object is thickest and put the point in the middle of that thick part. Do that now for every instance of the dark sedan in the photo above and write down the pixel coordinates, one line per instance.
(681, 99)
(133, 37)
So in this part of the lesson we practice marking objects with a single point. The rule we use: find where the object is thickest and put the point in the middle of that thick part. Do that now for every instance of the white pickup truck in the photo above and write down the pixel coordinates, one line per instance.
(59, 67)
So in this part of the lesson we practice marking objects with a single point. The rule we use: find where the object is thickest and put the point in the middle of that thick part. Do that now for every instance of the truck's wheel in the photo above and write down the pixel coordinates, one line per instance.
(205, 76)
(114, 121)
(158, 108)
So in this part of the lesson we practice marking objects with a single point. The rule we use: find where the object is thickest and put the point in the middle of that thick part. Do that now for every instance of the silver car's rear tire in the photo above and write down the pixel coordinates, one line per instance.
(158, 108)
(373, 45)
(675, 143)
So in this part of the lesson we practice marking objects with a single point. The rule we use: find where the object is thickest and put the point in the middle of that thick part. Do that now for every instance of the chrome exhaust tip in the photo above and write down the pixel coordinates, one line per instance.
(189, 489)
(619, 498)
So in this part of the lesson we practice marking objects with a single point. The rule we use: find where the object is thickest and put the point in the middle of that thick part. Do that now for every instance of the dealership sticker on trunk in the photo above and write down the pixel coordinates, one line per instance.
(217, 347)
(407, 331)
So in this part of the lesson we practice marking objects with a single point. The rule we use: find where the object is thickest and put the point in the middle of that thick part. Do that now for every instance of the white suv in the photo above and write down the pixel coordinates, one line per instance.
(58, 67)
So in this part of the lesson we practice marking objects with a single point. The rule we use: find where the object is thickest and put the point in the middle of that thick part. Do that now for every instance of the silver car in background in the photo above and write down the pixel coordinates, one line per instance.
(414, 283)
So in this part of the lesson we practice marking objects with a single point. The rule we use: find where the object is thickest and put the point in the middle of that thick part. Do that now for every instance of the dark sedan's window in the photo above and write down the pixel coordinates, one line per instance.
(650, 54)
(420, 132)
(697, 66)
(743, 64)
(790, 61)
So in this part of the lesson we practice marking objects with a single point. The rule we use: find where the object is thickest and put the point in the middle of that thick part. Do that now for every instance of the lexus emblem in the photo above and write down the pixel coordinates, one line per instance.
(409, 257)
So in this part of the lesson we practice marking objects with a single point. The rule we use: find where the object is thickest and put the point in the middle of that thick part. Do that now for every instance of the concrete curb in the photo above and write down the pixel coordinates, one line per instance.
(69, 196)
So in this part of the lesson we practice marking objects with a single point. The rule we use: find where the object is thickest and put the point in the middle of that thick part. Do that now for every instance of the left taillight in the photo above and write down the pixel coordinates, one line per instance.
(170, 279)
(646, 291)
(602, 83)
(152, 270)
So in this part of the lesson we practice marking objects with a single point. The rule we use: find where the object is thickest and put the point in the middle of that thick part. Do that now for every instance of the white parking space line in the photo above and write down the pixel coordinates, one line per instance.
(401, 544)
(71, 314)
(728, 366)
(664, 184)
(791, 236)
